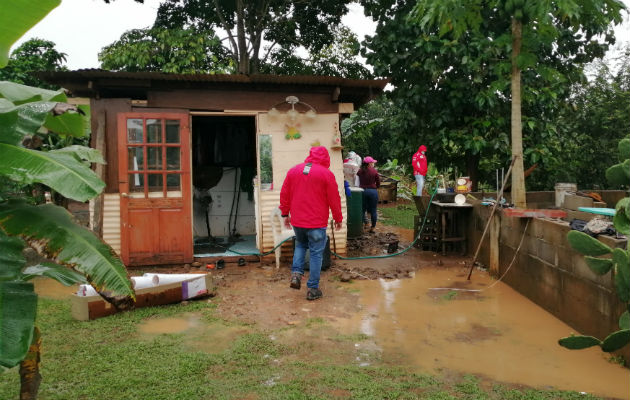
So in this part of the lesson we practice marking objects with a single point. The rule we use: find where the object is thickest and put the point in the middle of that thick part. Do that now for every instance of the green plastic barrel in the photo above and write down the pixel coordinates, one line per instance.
(355, 211)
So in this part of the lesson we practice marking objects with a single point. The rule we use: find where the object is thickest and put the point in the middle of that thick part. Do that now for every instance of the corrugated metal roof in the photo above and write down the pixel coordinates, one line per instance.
(219, 78)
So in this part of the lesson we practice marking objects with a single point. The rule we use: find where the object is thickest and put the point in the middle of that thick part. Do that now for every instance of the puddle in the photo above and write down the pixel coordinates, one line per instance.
(497, 333)
(51, 289)
(168, 325)
(207, 337)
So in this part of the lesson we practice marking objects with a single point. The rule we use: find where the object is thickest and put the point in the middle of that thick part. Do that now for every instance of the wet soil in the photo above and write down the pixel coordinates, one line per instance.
(416, 309)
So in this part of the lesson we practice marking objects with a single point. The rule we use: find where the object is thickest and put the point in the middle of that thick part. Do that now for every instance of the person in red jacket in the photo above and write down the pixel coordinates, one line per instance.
(308, 192)
(419, 162)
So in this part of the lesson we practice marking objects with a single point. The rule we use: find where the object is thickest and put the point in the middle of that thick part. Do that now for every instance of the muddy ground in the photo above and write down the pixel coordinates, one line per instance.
(258, 291)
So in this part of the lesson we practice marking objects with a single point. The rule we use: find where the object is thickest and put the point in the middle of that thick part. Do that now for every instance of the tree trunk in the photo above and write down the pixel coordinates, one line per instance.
(30, 377)
(243, 57)
(518, 179)
(472, 170)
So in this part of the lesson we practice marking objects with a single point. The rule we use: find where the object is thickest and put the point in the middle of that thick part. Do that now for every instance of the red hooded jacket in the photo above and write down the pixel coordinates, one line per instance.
(420, 161)
(308, 196)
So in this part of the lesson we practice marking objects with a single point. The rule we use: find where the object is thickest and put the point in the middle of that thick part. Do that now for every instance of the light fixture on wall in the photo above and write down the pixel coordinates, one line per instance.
(293, 113)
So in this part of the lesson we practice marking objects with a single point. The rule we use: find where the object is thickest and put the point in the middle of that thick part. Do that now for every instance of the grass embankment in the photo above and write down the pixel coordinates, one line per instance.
(110, 359)
(400, 215)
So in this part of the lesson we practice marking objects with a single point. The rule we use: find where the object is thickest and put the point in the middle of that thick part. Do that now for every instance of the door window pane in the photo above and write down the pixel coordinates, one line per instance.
(135, 159)
(134, 130)
(136, 182)
(154, 158)
(155, 182)
(173, 182)
(172, 131)
(172, 158)
(154, 131)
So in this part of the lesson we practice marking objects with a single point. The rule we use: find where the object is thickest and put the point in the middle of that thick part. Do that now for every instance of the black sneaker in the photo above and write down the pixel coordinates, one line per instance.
(296, 280)
(313, 294)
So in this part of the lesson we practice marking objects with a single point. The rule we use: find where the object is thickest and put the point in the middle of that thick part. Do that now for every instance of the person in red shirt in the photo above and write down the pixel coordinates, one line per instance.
(369, 181)
(419, 162)
(308, 192)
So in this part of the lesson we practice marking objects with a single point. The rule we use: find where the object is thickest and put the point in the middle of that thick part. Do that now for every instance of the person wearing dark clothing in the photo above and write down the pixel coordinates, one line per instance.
(308, 193)
(369, 181)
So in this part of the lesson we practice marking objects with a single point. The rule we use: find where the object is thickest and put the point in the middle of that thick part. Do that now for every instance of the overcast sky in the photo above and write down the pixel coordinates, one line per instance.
(80, 28)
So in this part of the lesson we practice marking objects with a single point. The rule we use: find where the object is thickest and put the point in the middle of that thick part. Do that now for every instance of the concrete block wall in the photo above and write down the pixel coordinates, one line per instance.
(550, 273)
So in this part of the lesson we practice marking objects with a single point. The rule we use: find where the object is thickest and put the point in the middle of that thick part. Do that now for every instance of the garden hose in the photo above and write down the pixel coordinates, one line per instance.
(403, 250)
(351, 258)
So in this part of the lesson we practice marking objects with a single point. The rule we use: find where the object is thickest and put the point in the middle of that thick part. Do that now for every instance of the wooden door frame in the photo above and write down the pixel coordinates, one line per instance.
(123, 181)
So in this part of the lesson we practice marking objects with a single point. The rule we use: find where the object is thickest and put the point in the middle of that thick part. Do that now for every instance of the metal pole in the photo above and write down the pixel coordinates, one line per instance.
(483, 235)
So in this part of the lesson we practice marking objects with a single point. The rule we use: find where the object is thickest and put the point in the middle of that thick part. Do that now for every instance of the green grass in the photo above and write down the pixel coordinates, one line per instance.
(109, 359)
(400, 215)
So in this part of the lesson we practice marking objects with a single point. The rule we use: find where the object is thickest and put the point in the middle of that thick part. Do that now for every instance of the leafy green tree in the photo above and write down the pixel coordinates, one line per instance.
(339, 58)
(369, 130)
(286, 25)
(166, 50)
(458, 65)
(33, 56)
(595, 117)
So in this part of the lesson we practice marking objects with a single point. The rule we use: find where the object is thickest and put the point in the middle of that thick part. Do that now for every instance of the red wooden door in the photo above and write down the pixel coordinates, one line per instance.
(155, 188)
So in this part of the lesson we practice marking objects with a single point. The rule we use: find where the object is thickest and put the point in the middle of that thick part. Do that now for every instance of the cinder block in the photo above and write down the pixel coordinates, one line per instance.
(565, 258)
(582, 271)
(555, 231)
(599, 204)
(584, 216)
(611, 242)
(573, 202)
(547, 252)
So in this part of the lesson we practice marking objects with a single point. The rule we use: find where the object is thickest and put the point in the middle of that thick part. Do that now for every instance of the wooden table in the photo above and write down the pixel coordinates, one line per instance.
(454, 223)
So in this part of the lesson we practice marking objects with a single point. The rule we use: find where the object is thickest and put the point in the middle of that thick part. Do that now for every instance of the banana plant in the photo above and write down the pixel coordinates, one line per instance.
(77, 254)
(615, 260)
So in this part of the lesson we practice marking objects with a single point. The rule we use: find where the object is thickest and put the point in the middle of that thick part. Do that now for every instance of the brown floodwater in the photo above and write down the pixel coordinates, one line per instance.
(497, 333)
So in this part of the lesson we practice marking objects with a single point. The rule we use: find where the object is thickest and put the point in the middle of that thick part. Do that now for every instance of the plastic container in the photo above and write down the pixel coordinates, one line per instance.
(561, 190)
(355, 213)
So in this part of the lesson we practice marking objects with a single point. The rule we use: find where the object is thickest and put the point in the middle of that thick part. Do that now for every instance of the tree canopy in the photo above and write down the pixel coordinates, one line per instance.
(32, 56)
(457, 83)
(286, 25)
(166, 50)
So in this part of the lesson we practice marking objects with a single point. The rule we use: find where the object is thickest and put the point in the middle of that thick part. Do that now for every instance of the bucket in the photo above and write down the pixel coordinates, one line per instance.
(355, 213)
(561, 190)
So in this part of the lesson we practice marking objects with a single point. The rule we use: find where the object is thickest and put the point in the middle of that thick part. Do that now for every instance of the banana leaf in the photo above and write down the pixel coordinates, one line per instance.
(22, 120)
(624, 320)
(11, 258)
(59, 170)
(82, 153)
(18, 307)
(20, 94)
(61, 274)
(51, 231)
(17, 17)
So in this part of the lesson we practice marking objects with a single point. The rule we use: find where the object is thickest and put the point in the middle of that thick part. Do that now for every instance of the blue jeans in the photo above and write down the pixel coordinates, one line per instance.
(313, 239)
(419, 184)
(370, 200)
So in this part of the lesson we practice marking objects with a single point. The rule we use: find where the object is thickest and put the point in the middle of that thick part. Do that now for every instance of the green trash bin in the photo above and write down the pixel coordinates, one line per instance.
(355, 212)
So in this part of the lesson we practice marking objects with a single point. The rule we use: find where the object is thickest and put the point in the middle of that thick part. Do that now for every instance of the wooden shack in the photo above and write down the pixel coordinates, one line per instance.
(195, 162)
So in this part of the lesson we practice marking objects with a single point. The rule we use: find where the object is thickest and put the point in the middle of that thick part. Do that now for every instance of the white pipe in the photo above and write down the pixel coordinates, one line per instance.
(163, 279)
(142, 282)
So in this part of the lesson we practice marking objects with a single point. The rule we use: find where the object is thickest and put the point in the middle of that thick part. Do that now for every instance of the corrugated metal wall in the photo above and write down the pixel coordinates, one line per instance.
(111, 220)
